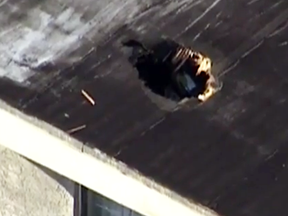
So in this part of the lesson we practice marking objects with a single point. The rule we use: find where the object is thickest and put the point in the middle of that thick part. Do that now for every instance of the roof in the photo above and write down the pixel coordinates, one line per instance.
(228, 153)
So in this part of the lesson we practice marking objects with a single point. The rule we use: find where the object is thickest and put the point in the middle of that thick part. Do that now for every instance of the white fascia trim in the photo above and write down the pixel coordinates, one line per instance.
(37, 144)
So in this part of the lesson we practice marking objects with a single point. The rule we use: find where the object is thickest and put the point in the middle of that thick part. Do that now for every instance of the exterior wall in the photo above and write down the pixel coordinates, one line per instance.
(28, 190)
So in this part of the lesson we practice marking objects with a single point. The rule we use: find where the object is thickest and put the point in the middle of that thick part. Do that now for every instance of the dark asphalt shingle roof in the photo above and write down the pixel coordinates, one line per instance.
(229, 153)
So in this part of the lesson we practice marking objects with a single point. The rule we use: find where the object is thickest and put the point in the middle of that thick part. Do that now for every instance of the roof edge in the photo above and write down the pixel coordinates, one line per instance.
(56, 150)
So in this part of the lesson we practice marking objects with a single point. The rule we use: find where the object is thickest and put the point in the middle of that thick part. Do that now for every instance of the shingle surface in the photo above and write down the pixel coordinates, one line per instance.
(229, 153)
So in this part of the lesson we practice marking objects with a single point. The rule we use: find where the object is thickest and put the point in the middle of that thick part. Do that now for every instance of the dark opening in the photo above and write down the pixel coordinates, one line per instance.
(94, 204)
(156, 70)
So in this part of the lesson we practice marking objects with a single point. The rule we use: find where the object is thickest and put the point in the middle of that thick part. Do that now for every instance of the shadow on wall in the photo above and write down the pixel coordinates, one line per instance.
(87, 202)
(73, 188)
(63, 181)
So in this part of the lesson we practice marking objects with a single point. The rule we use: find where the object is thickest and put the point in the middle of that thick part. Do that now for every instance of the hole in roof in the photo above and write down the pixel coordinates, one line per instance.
(163, 76)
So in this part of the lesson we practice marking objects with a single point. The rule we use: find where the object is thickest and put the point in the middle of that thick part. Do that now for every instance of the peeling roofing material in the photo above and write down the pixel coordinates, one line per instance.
(229, 153)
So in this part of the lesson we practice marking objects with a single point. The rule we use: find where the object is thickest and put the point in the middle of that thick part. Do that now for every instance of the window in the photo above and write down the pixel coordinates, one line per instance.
(94, 204)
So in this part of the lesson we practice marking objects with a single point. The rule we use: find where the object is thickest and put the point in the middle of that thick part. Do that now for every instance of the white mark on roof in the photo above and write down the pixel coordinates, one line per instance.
(3, 2)
(200, 17)
(276, 4)
(252, 49)
(218, 23)
(40, 38)
(252, 2)
(174, 6)
(285, 43)
(229, 68)
(278, 31)
(23, 48)
(197, 36)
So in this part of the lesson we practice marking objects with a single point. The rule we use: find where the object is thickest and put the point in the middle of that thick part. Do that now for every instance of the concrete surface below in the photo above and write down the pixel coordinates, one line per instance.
(25, 189)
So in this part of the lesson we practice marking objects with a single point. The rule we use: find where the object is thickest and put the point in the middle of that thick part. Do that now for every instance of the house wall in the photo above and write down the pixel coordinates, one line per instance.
(28, 190)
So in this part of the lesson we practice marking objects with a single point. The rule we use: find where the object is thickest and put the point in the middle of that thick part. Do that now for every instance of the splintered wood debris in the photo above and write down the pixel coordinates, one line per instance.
(91, 101)
(88, 97)
(73, 130)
